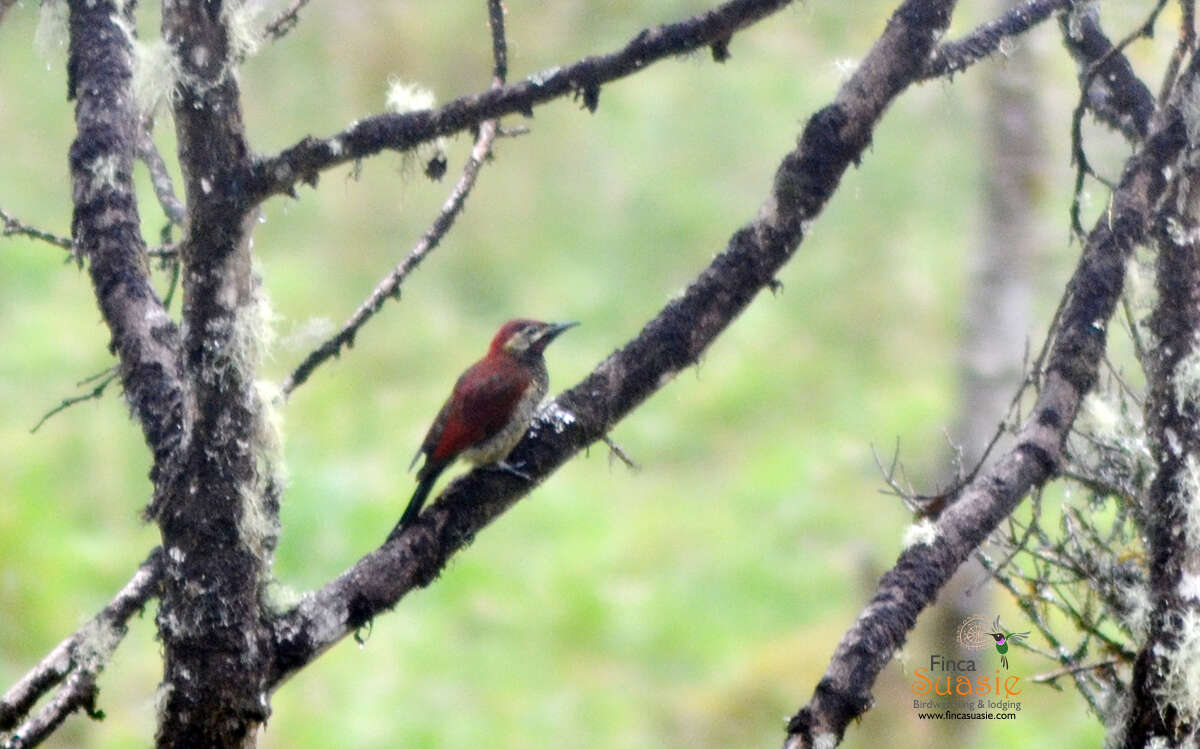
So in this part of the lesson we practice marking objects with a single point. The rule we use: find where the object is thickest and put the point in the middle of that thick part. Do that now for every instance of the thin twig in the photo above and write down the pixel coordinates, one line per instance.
(80, 657)
(160, 178)
(164, 252)
(1092, 73)
(95, 393)
(173, 285)
(499, 44)
(1139, 346)
(389, 287)
(285, 21)
(14, 227)
(912, 500)
(1071, 670)
(620, 454)
(1121, 383)
(1146, 30)
(1095, 484)
(1031, 612)
(1187, 42)
(305, 160)
(1017, 547)
(957, 55)
(92, 378)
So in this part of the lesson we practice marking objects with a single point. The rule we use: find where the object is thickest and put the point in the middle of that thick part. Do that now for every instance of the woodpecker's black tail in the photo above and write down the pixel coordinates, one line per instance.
(424, 485)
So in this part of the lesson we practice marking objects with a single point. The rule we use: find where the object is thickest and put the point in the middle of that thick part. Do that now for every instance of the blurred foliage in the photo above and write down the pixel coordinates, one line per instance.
(694, 603)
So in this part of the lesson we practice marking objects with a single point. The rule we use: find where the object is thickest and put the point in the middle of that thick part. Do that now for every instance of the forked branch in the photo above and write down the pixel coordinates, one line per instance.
(305, 161)
(77, 659)
(1074, 359)
(834, 139)
(389, 286)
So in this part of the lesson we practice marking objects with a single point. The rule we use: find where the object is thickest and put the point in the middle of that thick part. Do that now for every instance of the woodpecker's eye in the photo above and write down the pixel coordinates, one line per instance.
(527, 335)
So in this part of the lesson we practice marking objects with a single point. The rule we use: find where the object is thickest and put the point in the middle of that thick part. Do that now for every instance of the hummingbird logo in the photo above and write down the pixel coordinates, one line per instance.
(1002, 639)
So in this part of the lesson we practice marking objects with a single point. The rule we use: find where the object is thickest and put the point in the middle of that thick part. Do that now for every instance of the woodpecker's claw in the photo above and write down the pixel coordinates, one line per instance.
(504, 465)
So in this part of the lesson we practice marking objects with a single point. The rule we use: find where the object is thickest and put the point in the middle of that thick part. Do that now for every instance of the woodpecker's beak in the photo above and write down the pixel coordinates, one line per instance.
(554, 330)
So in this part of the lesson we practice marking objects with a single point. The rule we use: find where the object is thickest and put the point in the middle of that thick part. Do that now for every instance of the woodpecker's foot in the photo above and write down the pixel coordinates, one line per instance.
(513, 468)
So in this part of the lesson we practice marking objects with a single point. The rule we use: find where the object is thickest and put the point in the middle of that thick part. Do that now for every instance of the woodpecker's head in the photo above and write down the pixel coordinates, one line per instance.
(527, 337)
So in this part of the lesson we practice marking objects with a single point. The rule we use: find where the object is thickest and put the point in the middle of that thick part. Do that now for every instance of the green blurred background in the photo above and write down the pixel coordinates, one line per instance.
(694, 603)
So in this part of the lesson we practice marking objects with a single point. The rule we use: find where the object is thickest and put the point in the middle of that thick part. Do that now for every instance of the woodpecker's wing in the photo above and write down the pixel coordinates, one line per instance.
(434, 433)
(483, 401)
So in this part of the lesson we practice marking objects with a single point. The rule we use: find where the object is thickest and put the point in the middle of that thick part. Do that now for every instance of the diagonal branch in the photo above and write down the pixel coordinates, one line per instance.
(389, 287)
(14, 227)
(305, 161)
(955, 56)
(286, 20)
(844, 692)
(78, 659)
(1111, 90)
(95, 393)
(499, 42)
(1163, 687)
(833, 139)
(160, 178)
(106, 226)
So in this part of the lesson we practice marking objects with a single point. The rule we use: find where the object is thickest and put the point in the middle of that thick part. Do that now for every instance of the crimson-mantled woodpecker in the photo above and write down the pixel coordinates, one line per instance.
(489, 409)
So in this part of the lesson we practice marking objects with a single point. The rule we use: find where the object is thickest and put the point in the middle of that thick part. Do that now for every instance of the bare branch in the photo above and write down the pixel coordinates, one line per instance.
(1074, 359)
(1162, 696)
(305, 161)
(616, 451)
(1058, 673)
(1105, 75)
(389, 287)
(499, 43)
(1186, 44)
(94, 394)
(834, 138)
(952, 57)
(14, 227)
(107, 229)
(1063, 656)
(160, 178)
(1110, 88)
(79, 658)
(286, 21)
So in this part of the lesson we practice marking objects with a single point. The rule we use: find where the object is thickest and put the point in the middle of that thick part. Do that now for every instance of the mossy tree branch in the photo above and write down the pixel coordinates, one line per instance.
(195, 395)
(1165, 694)
(833, 139)
(218, 512)
(304, 161)
(77, 659)
(106, 232)
(1079, 340)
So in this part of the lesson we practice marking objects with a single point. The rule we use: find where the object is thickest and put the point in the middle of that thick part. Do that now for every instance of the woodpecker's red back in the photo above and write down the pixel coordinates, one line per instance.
(490, 408)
